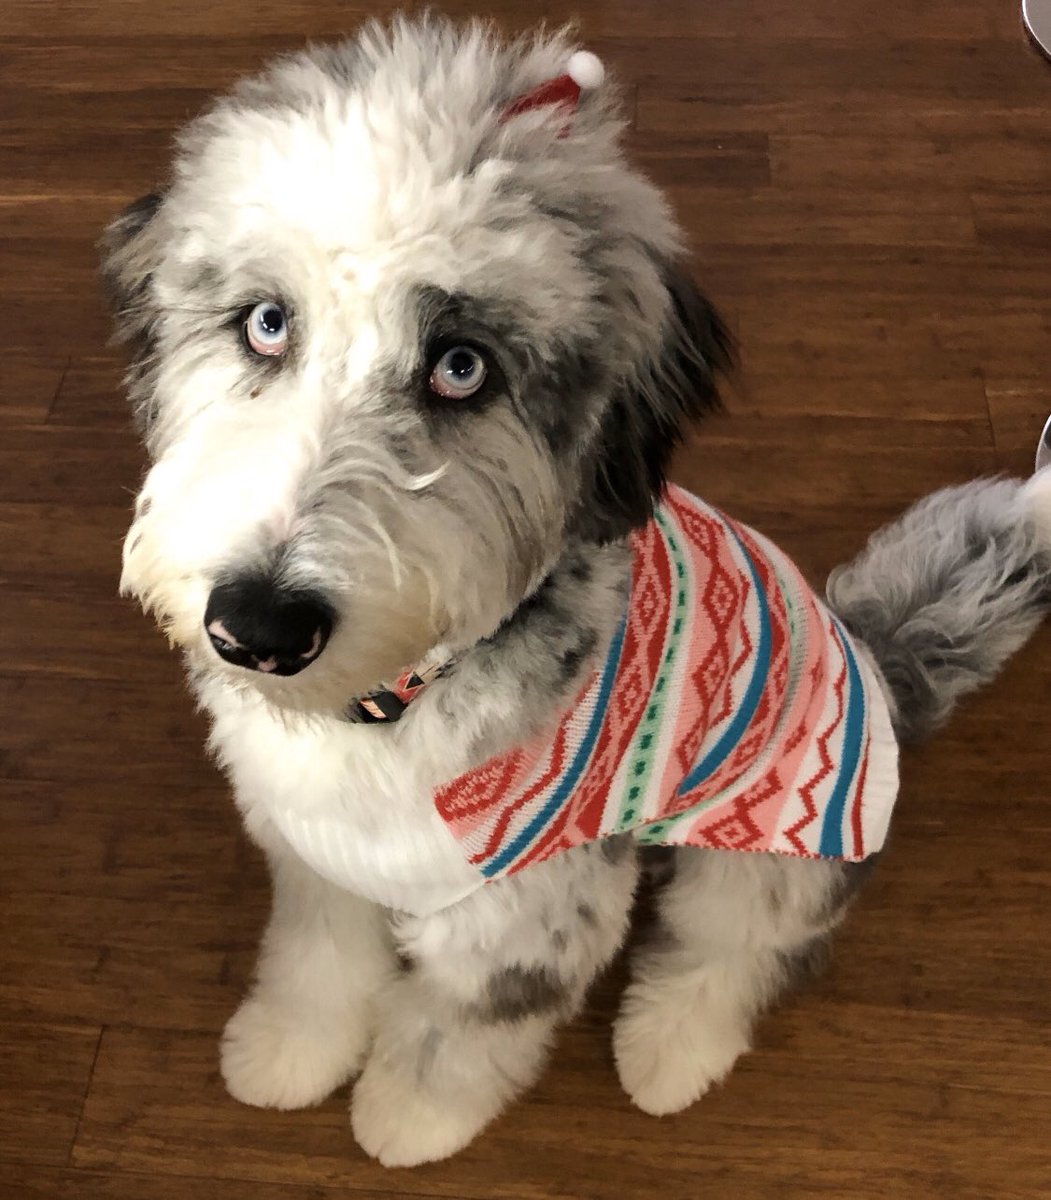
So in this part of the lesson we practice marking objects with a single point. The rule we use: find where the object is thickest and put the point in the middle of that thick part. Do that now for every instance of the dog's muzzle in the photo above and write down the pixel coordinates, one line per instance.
(253, 624)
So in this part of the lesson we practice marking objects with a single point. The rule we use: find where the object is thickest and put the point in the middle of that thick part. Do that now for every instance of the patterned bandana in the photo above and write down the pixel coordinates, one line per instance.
(732, 712)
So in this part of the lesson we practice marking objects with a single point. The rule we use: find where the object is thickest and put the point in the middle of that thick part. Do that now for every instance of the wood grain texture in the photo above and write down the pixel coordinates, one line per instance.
(46, 1070)
(867, 191)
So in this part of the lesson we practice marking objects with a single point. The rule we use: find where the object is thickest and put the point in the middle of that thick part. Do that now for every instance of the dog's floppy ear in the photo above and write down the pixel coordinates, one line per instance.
(648, 416)
(130, 250)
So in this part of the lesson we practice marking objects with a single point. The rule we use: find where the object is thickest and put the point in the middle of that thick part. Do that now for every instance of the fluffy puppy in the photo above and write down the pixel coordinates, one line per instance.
(410, 360)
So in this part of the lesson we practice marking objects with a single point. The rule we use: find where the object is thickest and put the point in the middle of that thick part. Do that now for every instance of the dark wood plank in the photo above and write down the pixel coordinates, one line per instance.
(72, 547)
(922, 164)
(44, 1074)
(167, 747)
(55, 465)
(1018, 409)
(942, 1091)
(116, 61)
(734, 160)
(28, 386)
(48, 1184)
(176, 842)
(912, 341)
(862, 485)
(821, 19)
(153, 962)
(81, 637)
(775, 410)
(92, 395)
(1015, 224)
(925, 77)
(813, 86)
(858, 277)
(826, 219)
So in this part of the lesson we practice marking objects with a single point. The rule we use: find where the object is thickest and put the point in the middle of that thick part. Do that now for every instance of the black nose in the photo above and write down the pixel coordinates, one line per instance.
(253, 624)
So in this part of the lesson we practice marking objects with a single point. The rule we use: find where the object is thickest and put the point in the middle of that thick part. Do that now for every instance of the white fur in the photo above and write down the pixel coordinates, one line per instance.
(308, 1022)
(358, 807)
(731, 923)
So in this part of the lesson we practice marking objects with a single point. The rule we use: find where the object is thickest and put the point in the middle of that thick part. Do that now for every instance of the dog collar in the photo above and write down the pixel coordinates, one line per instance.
(384, 705)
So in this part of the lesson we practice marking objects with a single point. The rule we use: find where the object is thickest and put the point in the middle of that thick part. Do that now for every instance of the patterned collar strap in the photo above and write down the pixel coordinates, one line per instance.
(384, 705)
(388, 704)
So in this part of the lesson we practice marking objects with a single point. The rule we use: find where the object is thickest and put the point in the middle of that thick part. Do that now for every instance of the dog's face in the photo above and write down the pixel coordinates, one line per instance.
(393, 353)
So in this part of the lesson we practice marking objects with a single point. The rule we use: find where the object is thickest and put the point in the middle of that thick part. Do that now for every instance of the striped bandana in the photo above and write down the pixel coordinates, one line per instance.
(732, 712)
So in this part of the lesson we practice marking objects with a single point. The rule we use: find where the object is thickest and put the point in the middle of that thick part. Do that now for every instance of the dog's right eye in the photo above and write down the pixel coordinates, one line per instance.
(458, 374)
(266, 329)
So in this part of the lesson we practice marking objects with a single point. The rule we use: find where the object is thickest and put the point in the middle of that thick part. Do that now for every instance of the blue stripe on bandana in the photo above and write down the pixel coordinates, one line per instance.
(853, 738)
(733, 733)
(569, 781)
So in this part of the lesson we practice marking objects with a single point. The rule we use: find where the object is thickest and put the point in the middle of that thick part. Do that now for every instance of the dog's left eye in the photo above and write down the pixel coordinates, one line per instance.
(459, 373)
(266, 329)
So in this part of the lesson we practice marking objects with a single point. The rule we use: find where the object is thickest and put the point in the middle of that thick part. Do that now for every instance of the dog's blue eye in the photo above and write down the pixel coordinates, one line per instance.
(459, 373)
(266, 329)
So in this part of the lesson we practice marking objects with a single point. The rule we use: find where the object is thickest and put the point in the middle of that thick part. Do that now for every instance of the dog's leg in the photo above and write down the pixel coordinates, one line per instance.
(733, 929)
(468, 1024)
(305, 1026)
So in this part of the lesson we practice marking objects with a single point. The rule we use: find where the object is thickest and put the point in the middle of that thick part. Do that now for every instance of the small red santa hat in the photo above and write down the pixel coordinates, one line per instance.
(584, 71)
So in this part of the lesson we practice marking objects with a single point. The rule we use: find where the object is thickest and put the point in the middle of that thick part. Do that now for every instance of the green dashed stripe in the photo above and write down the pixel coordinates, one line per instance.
(655, 834)
(640, 754)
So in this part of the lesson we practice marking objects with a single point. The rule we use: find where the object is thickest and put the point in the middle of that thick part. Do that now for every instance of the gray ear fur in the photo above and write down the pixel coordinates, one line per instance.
(130, 250)
(648, 417)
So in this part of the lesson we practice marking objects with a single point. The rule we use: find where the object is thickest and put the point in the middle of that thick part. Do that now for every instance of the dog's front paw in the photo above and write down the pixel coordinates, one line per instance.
(270, 1059)
(670, 1049)
(403, 1126)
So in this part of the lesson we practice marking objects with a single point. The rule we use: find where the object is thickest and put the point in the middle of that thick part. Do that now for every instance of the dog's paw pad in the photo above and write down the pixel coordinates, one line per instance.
(270, 1061)
(669, 1051)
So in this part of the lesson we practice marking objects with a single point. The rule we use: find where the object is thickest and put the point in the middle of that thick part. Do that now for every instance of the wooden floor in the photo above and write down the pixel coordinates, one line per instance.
(867, 186)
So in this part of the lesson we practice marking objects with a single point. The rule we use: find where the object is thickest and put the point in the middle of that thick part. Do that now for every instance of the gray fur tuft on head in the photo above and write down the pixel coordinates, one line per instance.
(947, 593)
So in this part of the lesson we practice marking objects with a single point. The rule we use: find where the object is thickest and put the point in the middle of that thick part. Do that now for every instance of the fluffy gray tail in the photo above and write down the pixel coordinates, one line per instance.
(947, 593)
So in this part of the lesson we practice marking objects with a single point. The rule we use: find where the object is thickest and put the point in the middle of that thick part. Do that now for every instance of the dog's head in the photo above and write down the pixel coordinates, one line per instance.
(394, 351)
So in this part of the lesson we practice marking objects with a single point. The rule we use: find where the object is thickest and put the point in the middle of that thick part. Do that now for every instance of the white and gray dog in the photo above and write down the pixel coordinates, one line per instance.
(410, 358)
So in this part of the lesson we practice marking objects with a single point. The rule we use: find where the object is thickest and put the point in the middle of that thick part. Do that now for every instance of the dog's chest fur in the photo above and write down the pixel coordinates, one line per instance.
(357, 801)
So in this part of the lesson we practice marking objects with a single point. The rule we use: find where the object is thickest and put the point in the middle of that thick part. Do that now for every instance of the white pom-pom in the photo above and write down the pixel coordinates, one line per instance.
(585, 69)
